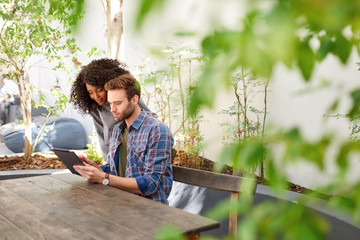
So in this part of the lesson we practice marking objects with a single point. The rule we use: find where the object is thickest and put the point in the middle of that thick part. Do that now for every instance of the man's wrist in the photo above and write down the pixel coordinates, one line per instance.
(103, 177)
(106, 179)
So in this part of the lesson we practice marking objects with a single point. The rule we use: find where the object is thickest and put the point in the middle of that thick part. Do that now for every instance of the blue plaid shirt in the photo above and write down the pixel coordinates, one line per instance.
(148, 156)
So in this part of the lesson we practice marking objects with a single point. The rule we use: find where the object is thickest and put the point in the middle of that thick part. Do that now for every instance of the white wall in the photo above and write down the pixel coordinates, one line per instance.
(293, 102)
(287, 106)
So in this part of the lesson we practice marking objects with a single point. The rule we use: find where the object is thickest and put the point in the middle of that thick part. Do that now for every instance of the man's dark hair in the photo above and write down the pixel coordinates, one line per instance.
(7, 76)
(96, 73)
(126, 82)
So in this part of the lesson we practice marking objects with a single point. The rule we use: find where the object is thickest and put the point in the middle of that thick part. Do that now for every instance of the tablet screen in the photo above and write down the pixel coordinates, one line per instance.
(69, 158)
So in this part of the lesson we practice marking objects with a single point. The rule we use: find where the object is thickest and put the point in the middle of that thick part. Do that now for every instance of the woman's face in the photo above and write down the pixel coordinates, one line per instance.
(99, 95)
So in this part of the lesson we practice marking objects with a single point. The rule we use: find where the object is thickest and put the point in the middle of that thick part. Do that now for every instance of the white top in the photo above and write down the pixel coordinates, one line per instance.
(11, 88)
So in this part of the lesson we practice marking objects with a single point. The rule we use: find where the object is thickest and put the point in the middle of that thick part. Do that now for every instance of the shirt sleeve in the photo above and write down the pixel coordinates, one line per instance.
(10, 88)
(143, 184)
(105, 168)
(156, 160)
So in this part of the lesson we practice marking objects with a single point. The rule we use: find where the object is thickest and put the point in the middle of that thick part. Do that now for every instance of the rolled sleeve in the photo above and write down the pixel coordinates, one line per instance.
(143, 184)
(159, 150)
(105, 168)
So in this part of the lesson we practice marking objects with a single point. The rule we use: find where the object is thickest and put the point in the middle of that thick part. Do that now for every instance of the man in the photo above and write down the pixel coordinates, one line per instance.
(9, 92)
(141, 139)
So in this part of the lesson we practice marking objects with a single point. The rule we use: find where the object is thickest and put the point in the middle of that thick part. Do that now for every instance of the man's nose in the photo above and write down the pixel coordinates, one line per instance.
(112, 109)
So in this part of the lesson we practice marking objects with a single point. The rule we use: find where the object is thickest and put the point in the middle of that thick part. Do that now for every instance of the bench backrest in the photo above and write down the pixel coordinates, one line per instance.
(218, 181)
(213, 180)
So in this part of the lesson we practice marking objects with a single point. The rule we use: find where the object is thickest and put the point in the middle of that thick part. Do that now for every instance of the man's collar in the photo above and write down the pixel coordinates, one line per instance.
(137, 123)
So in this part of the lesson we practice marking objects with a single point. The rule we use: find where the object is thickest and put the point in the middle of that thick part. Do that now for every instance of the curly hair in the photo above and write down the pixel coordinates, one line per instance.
(96, 73)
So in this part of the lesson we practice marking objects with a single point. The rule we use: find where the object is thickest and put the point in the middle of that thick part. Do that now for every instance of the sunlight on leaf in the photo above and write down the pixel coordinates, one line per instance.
(278, 220)
(243, 156)
(145, 9)
(343, 157)
(306, 60)
(169, 232)
(326, 46)
(355, 110)
(342, 48)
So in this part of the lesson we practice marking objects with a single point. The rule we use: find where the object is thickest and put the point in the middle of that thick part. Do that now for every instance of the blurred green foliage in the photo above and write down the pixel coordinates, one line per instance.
(94, 151)
(298, 34)
(290, 33)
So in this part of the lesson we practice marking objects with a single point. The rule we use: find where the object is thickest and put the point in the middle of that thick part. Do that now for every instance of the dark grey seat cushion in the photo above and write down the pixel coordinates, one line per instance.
(68, 133)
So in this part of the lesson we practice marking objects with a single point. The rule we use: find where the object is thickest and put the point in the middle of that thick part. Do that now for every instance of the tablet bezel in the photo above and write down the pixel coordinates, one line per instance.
(69, 158)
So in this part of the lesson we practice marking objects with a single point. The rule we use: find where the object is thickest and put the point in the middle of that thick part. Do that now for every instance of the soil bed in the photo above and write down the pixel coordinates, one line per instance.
(37, 161)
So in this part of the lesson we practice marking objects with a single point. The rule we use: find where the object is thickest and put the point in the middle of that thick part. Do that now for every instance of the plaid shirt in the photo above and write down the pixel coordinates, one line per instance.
(148, 156)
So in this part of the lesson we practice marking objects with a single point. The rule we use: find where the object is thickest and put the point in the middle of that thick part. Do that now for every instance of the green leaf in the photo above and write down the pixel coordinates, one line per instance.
(342, 48)
(297, 148)
(275, 177)
(306, 59)
(281, 40)
(326, 46)
(221, 211)
(145, 9)
(169, 232)
(344, 153)
(244, 156)
(334, 106)
(355, 110)
(248, 229)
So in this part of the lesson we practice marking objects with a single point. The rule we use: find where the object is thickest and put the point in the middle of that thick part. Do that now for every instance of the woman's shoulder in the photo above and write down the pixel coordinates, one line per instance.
(106, 116)
(104, 110)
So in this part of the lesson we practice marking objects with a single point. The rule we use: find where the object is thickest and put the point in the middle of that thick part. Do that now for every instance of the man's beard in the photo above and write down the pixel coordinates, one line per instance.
(127, 112)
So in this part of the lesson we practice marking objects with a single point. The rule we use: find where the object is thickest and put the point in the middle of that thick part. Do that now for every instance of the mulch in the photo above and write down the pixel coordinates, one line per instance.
(37, 161)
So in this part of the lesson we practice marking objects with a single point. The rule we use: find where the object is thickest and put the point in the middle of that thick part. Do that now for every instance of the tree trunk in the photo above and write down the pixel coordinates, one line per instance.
(113, 11)
(25, 103)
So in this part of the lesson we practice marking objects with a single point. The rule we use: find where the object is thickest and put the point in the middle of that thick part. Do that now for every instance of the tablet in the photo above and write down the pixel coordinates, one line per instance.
(69, 158)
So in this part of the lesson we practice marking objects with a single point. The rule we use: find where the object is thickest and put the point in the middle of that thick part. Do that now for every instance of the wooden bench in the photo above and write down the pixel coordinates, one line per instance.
(217, 181)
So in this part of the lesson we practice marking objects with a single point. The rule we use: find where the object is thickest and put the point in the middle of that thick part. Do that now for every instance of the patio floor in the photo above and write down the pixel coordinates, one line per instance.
(4, 150)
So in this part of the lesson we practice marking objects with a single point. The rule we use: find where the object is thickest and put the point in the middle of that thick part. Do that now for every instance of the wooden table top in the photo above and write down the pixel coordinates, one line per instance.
(65, 206)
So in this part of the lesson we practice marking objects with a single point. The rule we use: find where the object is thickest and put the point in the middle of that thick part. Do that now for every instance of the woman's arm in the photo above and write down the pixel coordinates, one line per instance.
(99, 128)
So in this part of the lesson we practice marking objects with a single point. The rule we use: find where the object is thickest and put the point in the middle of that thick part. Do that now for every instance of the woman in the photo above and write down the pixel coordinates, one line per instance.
(89, 96)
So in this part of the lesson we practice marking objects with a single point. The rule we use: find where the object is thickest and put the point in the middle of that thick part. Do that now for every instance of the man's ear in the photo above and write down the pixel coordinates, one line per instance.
(135, 99)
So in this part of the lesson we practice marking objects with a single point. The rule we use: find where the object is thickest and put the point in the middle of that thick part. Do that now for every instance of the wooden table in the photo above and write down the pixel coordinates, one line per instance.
(65, 206)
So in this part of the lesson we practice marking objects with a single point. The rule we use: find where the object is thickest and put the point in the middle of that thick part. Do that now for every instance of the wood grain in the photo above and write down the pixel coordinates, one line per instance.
(207, 179)
(65, 206)
(30, 218)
